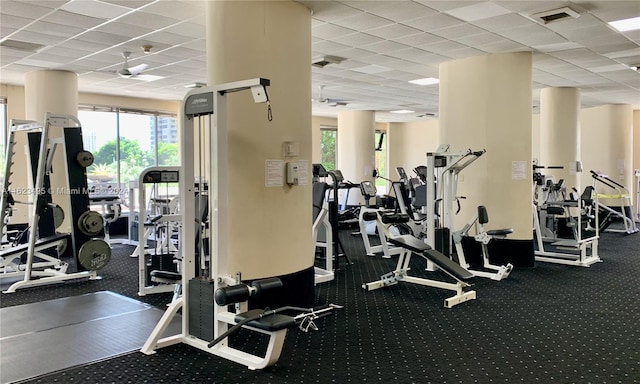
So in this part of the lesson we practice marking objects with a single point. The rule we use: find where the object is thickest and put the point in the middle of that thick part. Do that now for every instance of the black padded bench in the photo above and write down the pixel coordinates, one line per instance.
(420, 247)
(271, 323)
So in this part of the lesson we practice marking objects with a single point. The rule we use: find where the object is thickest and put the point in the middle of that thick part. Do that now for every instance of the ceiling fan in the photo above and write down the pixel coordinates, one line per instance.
(328, 101)
(129, 72)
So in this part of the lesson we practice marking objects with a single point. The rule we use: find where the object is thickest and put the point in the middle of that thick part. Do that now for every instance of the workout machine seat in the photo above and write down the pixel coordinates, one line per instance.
(166, 277)
(272, 323)
(420, 247)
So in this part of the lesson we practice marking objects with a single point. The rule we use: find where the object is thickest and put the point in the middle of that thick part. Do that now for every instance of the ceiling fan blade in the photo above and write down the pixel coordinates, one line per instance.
(138, 69)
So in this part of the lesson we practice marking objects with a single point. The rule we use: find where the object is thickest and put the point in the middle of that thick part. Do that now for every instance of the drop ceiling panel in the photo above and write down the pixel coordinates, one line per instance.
(11, 21)
(385, 46)
(363, 21)
(147, 20)
(103, 38)
(329, 47)
(394, 11)
(24, 9)
(116, 27)
(54, 29)
(329, 31)
(173, 9)
(478, 11)
(68, 18)
(508, 21)
(433, 22)
(392, 31)
(419, 39)
(39, 38)
(356, 39)
(329, 11)
(532, 35)
(167, 38)
(130, 3)
(355, 53)
(95, 9)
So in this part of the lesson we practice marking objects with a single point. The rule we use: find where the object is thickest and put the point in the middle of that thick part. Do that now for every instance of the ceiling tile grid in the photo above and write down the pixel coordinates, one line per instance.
(384, 43)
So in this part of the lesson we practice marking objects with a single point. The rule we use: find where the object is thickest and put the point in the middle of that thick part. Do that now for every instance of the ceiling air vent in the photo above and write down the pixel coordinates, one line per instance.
(21, 45)
(323, 61)
(555, 15)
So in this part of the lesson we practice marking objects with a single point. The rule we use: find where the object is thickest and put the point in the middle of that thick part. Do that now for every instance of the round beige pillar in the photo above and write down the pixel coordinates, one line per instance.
(607, 147)
(560, 134)
(56, 92)
(50, 91)
(485, 103)
(269, 228)
(356, 148)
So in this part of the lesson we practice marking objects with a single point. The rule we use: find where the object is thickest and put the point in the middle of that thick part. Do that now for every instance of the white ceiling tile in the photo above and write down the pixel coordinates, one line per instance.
(609, 68)
(508, 21)
(363, 21)
(458, 31)
(23, 9)
(394, 10)
(96, 9)
(443, 47)
(557, 47)
(433, 22)
(68, 18)
(483, 10)
(532, 35)
(501, 46)
(419, 39)
(117, 27)
(33, 37)
(615, 10)
(148, 20)
(329, 31)
(355, 53)
(603, 47)
(327, 47)
(103, 38)
(173, 9)
(463, 52)
(625, 53)
(370, 69)
(445, 5)
(411, 54)
(356, 39)
(39, 63)
(199, 44)
(167, 38)
(479, 39)
(329, 11)
(385, 46)
(11, 21)
(54, 29)
(130, 3)
(180, 52)
(393, 31)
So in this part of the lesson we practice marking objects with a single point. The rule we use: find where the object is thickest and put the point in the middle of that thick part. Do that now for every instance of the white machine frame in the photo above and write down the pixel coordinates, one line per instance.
(581, 252)
(622, 193)
(447, 185)
(51, 270)
(163, 243)
(322, 275)
(211, 102)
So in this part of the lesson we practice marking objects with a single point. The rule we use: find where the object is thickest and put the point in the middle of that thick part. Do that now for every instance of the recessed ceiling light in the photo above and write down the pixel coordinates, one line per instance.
(425, 81)
(626, 24)
(401, 111)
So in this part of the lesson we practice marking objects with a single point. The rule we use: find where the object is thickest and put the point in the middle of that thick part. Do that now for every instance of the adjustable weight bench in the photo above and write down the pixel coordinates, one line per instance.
(410, 245)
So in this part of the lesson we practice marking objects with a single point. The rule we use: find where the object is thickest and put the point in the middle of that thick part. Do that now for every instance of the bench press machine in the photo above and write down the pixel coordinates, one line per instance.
(207, 278)
(411, 245)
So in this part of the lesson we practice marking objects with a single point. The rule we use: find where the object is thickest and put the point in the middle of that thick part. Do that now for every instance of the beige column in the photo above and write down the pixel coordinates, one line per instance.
(409, 142)
(356, 147)
(269, 229)
(607, 146)
(56, 92)
(485, 103)
(560, 134)
(635, 190)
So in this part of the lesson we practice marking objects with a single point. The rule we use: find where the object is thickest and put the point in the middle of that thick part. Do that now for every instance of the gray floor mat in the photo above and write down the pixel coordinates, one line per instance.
(44, 337)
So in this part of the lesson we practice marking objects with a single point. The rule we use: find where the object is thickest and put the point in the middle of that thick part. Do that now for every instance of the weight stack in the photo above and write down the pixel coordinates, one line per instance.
(201, 302)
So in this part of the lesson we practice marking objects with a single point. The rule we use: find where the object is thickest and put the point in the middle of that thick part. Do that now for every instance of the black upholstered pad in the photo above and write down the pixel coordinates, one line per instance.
(270, 323)
(166, 275)
(416, 245)
(500, 232)
(411, 243)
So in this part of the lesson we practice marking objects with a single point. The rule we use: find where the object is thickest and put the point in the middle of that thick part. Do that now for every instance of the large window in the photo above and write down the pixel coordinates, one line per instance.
(123, 143)
(381, 161)
(329, 147)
